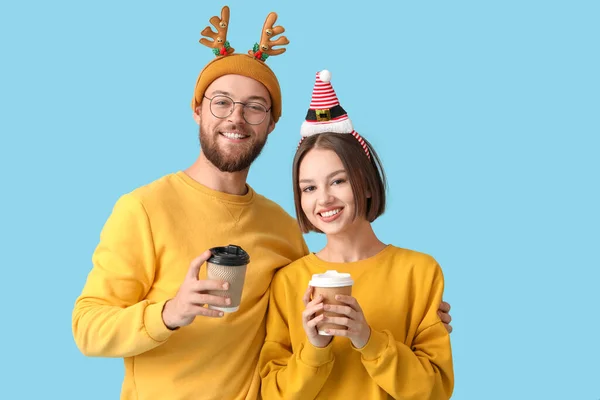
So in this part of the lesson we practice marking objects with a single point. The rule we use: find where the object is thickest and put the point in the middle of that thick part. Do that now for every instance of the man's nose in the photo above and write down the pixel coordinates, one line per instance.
(237, 115)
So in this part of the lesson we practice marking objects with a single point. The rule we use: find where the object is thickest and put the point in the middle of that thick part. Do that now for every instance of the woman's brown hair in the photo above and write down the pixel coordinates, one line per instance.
(365, 174)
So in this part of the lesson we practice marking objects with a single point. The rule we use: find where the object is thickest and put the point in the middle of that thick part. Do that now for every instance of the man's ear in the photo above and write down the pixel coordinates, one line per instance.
(271, 125)
(196, 115)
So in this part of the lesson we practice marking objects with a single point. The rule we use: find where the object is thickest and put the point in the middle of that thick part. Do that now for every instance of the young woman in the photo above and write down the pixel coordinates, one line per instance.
(391, 342)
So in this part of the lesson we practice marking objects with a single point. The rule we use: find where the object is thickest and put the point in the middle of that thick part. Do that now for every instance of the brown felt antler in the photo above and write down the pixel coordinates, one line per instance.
(265, 48)
(219, 44)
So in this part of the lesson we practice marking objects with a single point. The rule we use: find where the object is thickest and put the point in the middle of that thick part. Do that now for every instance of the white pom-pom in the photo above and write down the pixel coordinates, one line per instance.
(325, 76)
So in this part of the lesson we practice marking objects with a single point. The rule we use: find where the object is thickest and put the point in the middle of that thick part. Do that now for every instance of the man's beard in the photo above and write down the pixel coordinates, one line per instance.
(231, 162)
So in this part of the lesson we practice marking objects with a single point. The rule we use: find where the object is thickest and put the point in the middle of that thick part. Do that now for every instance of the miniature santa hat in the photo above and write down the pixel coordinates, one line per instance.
(325, 114)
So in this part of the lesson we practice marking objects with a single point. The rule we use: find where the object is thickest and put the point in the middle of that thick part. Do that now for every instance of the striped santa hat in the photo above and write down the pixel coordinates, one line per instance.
(325, 114)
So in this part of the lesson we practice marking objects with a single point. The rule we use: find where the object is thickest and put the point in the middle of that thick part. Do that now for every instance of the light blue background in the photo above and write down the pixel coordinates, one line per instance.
(486, 116)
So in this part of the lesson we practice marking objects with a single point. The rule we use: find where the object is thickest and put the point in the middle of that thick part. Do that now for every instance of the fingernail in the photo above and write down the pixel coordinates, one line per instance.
(228, 301)
(337, 297)
(220, 314)
(226, 285)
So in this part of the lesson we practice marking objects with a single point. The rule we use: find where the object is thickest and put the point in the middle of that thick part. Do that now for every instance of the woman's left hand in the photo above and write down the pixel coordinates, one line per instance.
(358, 329)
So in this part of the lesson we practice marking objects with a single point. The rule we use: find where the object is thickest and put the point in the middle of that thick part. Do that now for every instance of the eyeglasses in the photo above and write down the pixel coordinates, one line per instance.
(222, 107)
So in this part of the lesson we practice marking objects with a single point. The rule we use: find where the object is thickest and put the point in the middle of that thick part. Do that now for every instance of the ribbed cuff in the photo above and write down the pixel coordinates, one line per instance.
(316, 356)
(378, 342)
(154, 324)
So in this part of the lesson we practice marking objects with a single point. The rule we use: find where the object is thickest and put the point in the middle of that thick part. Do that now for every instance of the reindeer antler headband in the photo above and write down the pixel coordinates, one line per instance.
(261, 51)
(219, 43)
(251, 65)
(265, 49)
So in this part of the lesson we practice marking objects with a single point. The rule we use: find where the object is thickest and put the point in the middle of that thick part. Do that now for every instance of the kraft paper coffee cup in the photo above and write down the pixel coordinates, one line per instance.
(229, 264)
(330, 284)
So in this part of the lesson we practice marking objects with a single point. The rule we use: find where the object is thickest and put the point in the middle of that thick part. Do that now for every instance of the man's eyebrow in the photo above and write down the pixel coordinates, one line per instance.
(221, 92)
(251, 98)
(254, 98)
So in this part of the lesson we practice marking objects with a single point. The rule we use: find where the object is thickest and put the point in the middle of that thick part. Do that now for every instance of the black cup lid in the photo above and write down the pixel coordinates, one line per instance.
(231, 256)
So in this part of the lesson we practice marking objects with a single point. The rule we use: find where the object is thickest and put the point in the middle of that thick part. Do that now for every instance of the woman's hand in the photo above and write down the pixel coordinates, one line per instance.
(309, 321)
(358, 330)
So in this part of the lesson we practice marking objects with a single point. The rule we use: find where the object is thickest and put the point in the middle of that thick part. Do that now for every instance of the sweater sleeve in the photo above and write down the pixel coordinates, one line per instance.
(111, 317)
(423, 370)
(286, 372)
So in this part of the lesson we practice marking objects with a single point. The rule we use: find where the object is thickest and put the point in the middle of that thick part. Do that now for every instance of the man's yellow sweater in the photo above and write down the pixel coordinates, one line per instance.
(408, 355)
(145, 250)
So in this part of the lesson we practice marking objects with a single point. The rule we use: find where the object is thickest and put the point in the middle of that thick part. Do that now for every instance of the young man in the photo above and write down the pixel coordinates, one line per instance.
(142, 296)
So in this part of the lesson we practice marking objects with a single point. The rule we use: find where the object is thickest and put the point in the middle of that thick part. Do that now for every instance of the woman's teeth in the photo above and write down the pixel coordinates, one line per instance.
(330, 213)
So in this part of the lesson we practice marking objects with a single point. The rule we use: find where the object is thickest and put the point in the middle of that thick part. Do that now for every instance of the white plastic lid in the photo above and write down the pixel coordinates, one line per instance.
(331, 278)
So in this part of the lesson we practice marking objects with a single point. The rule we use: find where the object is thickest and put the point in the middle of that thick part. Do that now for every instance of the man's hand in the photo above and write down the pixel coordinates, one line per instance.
(191, 297)
(444, 314)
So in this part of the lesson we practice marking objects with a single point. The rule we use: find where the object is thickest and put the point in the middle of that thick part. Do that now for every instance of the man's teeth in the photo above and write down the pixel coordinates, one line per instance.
(330, 213)
(231, 135)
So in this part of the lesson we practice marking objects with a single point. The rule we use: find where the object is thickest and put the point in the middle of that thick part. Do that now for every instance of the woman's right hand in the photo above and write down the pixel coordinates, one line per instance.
(309, 321)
